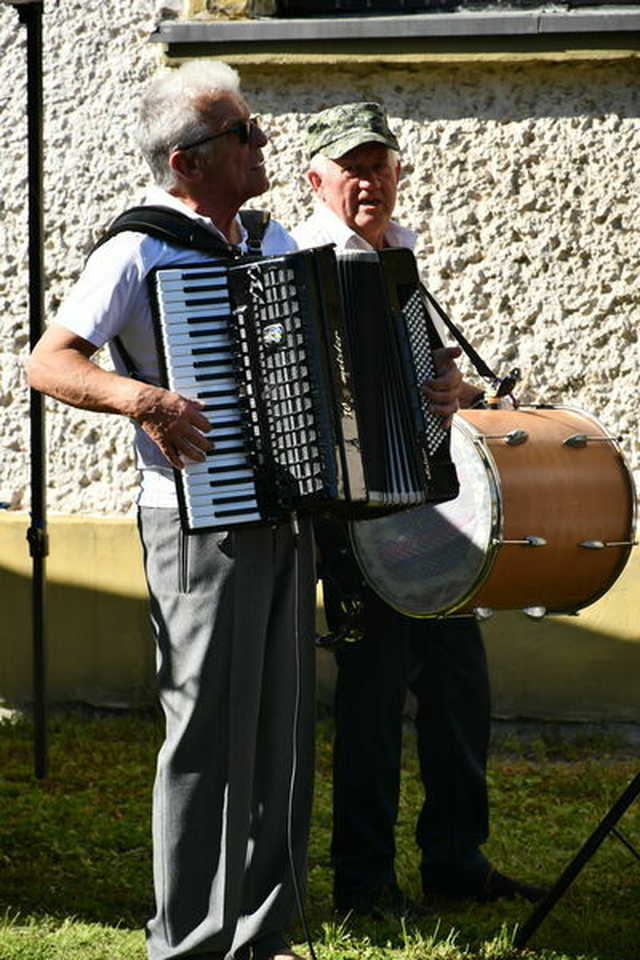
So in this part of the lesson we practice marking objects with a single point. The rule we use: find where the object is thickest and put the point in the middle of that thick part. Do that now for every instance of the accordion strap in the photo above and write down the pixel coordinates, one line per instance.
(255, 223)
(171, 227)
(176, 228)
(482, 368)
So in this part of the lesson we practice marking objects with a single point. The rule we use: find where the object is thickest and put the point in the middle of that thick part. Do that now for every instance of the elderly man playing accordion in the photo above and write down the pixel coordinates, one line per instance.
(232, 611)
(354, 171)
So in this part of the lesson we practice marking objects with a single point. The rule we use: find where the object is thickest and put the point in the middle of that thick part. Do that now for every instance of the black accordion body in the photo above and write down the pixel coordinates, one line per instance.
(308, 367)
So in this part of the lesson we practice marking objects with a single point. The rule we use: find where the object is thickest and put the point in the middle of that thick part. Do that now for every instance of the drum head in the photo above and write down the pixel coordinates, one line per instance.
(428, 560)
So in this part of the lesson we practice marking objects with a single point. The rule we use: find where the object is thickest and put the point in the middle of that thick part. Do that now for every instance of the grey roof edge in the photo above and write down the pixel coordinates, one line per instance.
(415, 26)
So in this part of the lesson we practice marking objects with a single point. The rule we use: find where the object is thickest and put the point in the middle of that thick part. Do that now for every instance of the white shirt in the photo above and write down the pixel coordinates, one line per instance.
(111, 298)
(325, 226)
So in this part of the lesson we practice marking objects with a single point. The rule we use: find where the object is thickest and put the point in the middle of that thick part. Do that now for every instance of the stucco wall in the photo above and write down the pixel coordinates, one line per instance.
(521, 179)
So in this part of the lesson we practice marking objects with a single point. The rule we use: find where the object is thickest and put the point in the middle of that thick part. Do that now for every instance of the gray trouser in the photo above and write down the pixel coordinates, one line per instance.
(235, 668)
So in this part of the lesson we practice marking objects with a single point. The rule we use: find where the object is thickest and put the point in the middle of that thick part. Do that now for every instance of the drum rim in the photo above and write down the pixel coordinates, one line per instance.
(496, 520)
(495, 524)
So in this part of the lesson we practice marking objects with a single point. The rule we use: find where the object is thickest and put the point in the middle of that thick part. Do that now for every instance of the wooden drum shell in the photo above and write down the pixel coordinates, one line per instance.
(563, 494)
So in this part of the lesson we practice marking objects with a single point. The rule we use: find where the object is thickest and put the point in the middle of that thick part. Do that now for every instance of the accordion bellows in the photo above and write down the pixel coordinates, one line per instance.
(309, 366)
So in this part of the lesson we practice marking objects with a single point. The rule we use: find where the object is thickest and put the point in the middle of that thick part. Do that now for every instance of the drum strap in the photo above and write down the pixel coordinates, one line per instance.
(503, 386)
(482, 368)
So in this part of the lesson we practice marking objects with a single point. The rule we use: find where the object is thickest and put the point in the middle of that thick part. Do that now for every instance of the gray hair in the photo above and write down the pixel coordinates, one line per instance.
(318, 164)
(169, 113)
(319, 161)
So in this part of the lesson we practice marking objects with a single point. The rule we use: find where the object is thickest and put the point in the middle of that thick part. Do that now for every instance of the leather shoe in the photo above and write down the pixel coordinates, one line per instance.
(498, 886)
(377, 904)
(484, 887)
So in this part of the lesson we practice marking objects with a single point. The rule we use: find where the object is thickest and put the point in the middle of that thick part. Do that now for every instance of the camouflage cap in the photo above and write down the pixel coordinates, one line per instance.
(336, 130)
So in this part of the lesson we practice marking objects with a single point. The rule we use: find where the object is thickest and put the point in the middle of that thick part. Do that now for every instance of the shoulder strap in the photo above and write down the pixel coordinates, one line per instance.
(172, 227)
(255, 223)
(176, 228)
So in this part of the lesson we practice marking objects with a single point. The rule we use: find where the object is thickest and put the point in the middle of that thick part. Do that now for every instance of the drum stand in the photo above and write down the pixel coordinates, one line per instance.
(606, 826)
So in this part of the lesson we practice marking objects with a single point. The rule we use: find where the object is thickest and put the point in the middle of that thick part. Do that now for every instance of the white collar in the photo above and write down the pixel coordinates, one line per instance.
(156, 196)
(347, 239)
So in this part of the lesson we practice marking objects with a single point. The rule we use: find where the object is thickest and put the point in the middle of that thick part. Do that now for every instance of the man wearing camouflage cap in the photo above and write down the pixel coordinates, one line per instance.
(354, 172)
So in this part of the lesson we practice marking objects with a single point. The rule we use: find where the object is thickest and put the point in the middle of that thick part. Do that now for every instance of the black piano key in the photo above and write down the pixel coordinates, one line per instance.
(234, 513)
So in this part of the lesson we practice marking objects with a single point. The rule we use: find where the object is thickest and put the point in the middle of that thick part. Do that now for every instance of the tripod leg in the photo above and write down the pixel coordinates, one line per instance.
(585, 853)
(619, 835)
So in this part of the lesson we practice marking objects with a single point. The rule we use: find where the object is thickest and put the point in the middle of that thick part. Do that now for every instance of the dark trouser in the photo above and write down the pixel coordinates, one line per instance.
(444, 664)
(233, 616)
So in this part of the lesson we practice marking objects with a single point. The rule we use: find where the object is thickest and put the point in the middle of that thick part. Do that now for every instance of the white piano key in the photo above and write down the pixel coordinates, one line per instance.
(218, 389)
(207, 319)
(197, 481)
(210, 360)
(223, 388)
(211, 495)
(216, 432)
(222, 446)
(207, 365)
(219, 360)
(202, 517)
(223, 463)
(236, 473)
(213, 308)
(225, 370)
(173, 301)
(216, 340)
(232, 419)
(174, 311)
(203, 466)
(208, 330)
(183, 349)
(203, 382)
(182, 272)
(202, 280)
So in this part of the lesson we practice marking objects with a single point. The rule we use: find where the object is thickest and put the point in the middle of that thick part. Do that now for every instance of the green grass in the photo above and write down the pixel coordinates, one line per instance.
(75, 878)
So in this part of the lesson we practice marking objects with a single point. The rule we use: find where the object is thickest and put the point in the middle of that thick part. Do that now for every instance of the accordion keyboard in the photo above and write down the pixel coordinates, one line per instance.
(201, 363)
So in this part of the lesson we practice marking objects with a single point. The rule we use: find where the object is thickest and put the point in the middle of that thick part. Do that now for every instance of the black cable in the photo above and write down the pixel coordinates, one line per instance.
(296, 720)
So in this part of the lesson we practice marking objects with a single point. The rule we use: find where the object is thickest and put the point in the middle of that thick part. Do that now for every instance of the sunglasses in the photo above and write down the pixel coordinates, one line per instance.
(243, 128)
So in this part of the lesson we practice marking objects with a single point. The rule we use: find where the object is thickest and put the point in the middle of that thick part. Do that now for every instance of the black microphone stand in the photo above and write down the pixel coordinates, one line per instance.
(608, 825)
(30, 14)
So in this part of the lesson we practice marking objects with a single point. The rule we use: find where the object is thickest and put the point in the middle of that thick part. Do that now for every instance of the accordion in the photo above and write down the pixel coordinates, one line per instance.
(308, 366)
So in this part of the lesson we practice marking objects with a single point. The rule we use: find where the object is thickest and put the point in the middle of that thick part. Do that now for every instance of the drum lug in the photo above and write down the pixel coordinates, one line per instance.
(601, 544)
(483, 613)
(535, 613)
(513, 439)
(530, 541)
(579, 440)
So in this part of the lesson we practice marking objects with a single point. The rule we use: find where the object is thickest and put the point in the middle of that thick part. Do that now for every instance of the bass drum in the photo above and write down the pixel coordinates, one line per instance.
(544, 521)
